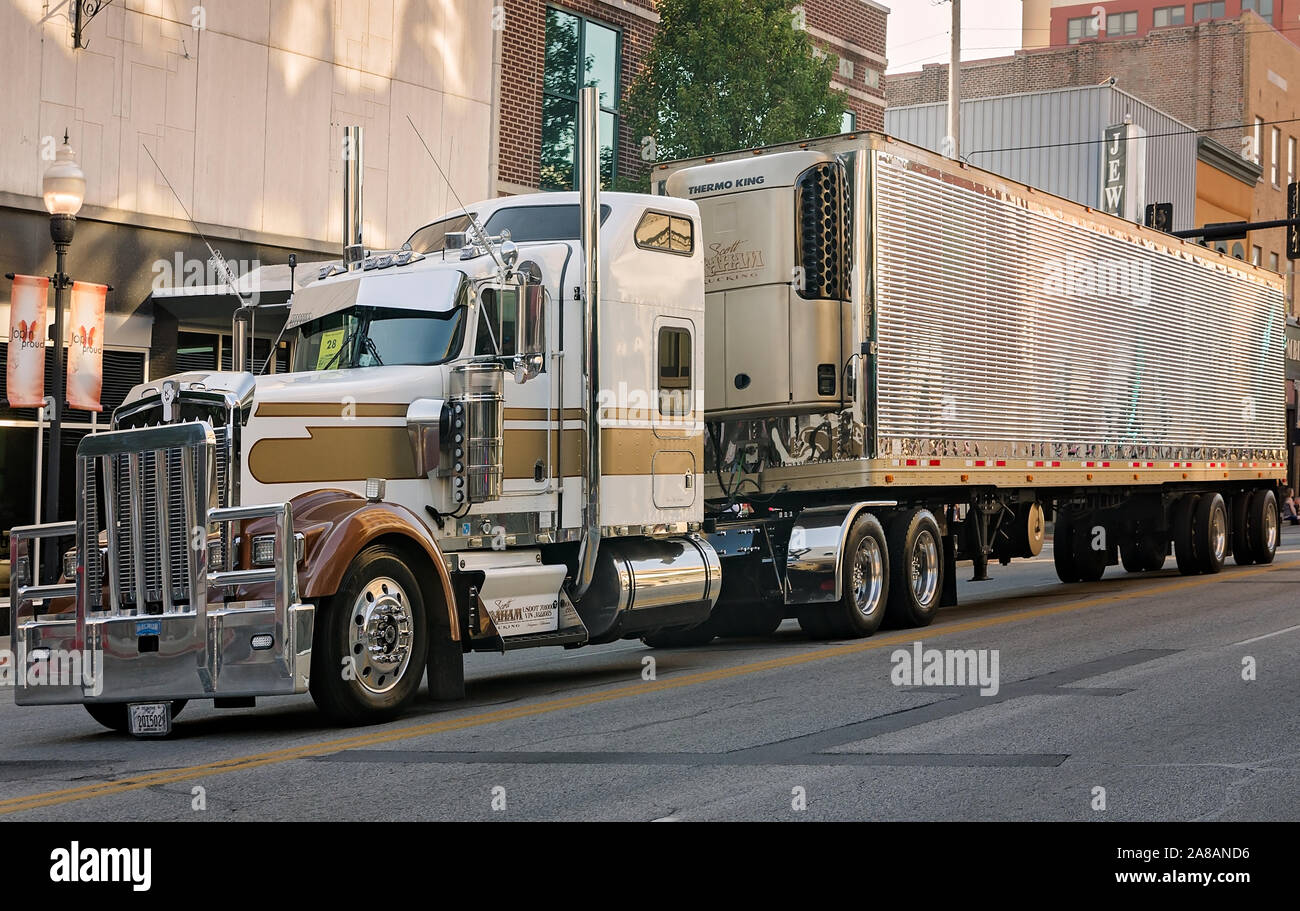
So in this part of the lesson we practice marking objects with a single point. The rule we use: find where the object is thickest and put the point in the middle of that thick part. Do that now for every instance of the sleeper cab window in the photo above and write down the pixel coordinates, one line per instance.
(674, 371)
(669, 233)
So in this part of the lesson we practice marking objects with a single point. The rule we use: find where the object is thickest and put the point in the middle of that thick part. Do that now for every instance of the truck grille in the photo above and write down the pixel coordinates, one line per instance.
(139, 497)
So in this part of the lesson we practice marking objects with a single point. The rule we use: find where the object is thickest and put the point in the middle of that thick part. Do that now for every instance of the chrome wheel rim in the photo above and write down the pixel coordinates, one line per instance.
(379, 635)
(925, 567)
(868, 576)
(1270, 529)
(1219, 534)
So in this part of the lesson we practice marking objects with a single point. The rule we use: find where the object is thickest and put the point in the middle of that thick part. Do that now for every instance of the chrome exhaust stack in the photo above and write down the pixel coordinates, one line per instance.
(589, 213)
(354, 250)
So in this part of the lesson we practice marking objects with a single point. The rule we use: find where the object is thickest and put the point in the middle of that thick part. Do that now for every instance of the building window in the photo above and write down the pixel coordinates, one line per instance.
(1290, 160)
(1259, 137)
(848, 122)
(570, 39)
(1256, 256)
(1171, 15)
(1208, 10)
(1122, 24)
(1275, 164)
(670, 233)
(674, 371)
(1272, 262)
(1083, 27)
(1263, 7)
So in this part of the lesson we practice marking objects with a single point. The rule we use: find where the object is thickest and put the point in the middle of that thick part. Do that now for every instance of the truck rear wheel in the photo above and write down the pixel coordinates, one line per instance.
(112, 715)
(371, 641)
(1262, 524)
(1211, 531)
(915, 551)
(864, 586)
(1185, 543)
(1242, 552)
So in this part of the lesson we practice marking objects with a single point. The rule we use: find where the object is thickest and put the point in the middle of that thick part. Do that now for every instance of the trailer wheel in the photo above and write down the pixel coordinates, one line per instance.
(112, 715)
(371, 641)
(1185, 543)
(1242, 552)
(1145, 553)
(916, 568)
(1067, 569)
(1211, 531)
(1089, 562)
(1262, 524)
(864, 587)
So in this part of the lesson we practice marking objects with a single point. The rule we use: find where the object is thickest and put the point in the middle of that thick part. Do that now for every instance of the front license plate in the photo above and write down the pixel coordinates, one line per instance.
(150, 719)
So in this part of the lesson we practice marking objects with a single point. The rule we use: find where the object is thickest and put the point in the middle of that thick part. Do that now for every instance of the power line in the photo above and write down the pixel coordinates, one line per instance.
(1084, 142)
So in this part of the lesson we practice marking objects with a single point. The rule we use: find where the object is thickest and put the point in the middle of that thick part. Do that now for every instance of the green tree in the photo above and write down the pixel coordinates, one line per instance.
(732, 74)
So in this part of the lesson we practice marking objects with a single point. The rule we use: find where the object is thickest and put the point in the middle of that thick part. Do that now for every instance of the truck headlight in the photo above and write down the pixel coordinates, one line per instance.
(263, 550)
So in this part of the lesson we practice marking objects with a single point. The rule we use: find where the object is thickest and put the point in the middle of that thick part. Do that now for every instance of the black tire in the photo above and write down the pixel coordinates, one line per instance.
(1067, 569)
(1263, 525)
(1184, 521)
(360, 671)
(1210, 527)
(751, 621)
(916, 561)
(1145, 552)
(1242, 553)
(1089, 562)
(112, 715)
(864, 586)
(682, 637)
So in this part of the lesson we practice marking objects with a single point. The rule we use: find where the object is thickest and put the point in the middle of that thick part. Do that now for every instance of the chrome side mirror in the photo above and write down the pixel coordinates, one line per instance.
(527, 367)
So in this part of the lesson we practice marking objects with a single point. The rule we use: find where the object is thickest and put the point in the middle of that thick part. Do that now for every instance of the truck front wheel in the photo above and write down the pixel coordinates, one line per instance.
(371, 641)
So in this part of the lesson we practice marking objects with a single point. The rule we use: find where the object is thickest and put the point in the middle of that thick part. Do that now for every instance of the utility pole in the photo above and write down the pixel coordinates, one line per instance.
(954, 84)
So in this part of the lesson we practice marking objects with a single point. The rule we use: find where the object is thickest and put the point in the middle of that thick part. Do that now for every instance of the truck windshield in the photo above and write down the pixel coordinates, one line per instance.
(378, 336)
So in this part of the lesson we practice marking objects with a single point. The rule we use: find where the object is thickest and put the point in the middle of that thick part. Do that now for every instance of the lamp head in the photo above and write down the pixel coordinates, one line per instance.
(64, 183)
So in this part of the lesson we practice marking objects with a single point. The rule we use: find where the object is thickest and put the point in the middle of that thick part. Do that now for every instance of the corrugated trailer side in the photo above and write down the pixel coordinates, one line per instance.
(1018, 327)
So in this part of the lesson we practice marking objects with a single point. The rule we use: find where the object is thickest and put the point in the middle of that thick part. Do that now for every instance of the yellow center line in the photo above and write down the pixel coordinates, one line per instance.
(307, 751)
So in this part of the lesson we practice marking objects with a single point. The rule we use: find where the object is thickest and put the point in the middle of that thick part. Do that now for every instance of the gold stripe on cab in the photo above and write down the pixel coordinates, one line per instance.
(370, 451)
(330, 410)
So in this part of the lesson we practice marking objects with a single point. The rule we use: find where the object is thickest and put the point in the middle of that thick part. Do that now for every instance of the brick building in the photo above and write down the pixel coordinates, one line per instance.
(537, 78)
(1056, 23)
(1230, 78)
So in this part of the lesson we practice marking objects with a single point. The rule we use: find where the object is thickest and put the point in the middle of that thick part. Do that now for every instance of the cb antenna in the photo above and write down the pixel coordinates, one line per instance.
(472, 220)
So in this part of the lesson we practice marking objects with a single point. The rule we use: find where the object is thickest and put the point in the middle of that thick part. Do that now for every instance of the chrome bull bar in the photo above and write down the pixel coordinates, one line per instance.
(187, 637)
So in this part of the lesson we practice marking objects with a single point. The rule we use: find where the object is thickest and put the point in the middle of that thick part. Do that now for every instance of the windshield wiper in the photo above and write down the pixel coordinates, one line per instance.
(370, 346)
(347, 341)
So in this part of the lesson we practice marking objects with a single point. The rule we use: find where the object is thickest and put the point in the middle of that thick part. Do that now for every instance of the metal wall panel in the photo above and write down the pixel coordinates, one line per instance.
(1006, 327)
(1052, 140)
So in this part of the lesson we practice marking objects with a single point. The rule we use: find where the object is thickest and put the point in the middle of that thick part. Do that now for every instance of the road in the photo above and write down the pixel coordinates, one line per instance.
(1118, 700)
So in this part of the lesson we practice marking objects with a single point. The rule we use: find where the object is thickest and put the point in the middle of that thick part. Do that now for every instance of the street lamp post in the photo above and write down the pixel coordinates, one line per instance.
(64, 188)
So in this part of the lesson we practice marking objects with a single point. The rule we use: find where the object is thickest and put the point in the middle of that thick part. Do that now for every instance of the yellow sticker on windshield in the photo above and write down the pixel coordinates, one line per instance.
(330, 343)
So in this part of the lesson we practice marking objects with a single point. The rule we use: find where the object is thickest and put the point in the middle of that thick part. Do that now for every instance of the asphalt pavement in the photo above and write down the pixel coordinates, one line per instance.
(1139, 697)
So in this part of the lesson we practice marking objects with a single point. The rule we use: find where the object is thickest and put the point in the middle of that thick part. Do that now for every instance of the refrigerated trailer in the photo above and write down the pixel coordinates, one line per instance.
(911, 361)
(801, 381)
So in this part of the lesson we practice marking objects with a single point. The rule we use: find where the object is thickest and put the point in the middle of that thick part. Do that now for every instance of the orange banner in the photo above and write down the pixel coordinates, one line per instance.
(26, 367)
(86, 346)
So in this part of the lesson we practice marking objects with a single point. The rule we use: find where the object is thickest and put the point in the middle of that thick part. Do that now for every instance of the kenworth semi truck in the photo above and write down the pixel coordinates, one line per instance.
(801, 381)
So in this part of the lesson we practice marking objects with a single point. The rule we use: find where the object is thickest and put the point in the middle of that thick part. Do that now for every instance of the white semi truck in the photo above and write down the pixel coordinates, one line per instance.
(794, 382)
